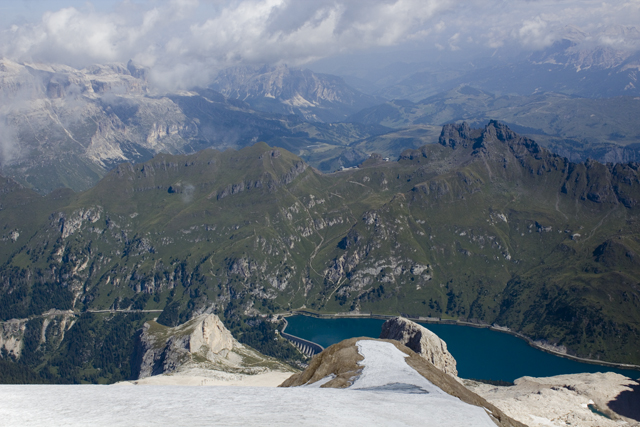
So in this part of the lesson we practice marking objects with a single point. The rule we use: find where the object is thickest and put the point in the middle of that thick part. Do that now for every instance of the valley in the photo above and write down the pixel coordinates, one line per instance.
(485, 225)
(259, 212)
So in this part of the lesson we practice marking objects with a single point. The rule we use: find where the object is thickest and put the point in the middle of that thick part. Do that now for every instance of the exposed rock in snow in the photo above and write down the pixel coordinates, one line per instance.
(388, 367)
(201, 343)
(567, 400)
(422, 341)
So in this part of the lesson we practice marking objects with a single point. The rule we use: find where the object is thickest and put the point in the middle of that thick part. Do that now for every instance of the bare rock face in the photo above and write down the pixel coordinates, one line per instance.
(52, 329)
(588, 399)
(211, 336)
(200, 352)
(164, 349)
(422, 341)
(11, 336)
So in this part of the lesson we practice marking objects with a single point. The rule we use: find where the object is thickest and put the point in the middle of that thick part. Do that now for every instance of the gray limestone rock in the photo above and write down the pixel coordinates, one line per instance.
(165, 349)
(422, 341)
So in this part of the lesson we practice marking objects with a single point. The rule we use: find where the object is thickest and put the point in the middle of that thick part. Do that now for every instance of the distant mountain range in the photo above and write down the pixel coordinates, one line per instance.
(605, 129)
(64, 127)
(314, 97)
(577, 64)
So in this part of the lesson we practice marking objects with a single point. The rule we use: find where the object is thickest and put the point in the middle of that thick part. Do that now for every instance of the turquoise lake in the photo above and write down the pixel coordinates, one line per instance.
(481, 353)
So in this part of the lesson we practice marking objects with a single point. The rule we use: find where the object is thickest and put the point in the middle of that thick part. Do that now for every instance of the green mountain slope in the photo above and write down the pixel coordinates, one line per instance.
(486, 225)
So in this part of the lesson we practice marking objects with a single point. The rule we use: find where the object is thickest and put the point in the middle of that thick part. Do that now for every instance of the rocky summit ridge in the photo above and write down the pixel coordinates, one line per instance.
(346, 365)
(421, 340)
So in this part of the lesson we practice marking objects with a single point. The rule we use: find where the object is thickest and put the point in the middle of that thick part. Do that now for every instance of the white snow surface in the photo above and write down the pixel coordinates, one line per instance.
(383, 395)
(384, 366)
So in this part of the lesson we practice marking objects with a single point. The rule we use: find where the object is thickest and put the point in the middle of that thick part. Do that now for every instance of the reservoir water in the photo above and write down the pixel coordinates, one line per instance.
(481, 353)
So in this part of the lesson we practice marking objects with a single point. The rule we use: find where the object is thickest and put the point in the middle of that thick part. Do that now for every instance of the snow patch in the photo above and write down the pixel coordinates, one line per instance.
(158, 406)
(321, 382)
(384, 365)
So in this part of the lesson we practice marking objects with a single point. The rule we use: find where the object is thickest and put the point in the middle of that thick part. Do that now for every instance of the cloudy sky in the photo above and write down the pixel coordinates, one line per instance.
(187, 40)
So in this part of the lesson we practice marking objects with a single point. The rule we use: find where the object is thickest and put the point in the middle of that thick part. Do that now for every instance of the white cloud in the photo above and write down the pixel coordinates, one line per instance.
(186, 41)
(535, 33)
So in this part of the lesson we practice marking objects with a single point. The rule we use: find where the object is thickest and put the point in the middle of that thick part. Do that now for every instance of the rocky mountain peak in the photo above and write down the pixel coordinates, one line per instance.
(454, 135)
(316, 97)
(422, 341)
(579, 50)
(499, 131)
(459, 136)
(167, 349)
(209, 333)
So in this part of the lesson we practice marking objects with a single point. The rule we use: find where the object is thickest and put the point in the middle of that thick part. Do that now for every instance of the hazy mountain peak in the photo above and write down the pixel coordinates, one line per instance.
(315, 97)
(574, 34)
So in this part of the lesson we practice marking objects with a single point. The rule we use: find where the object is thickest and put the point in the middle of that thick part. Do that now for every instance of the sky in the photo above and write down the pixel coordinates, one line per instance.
(185, 42)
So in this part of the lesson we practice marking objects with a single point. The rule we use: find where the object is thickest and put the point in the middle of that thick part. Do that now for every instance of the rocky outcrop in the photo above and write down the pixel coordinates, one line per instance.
(49, 328)
(202, 344)
(588, 400)
(166, 349)
(71, 224)
(422, 341)
(11, 337)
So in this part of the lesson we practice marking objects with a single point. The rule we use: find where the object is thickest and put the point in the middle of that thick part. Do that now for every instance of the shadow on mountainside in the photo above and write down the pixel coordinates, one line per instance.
(627, 403)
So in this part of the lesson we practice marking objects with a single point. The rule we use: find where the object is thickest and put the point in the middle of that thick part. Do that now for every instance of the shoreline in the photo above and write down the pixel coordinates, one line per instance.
(532, 343)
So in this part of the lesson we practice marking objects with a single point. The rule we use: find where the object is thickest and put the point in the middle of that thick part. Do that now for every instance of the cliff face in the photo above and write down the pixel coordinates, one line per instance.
(11, 337)
(39, 334)
(422, 341)
(165, 350)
